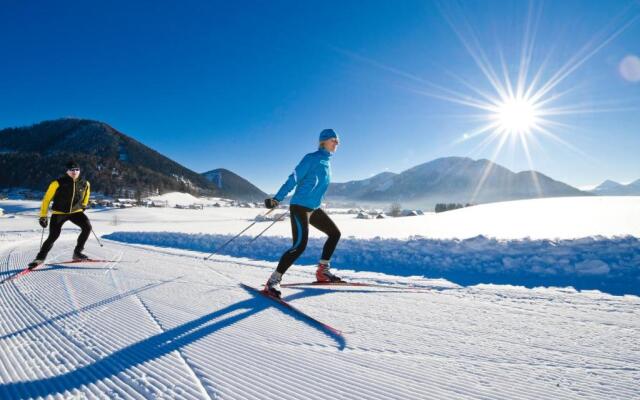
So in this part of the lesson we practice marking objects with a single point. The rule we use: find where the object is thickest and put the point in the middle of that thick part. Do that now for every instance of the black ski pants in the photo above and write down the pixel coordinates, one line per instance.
(301, 217)
(55, 227)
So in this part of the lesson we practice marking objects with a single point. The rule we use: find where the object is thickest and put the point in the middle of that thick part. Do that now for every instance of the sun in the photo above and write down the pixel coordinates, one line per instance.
(516, 116)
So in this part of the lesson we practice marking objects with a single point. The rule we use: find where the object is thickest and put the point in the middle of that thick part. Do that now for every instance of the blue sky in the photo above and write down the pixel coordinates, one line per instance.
(249, 85)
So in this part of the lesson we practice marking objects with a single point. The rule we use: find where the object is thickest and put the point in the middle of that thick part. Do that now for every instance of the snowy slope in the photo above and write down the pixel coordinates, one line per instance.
(585, 243)
(184, 199)
(173, 326)
(553, 218)
(159, 322)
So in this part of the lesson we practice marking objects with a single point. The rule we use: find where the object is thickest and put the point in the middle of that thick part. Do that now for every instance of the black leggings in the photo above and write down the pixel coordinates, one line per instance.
(301, 217)
(55, 227)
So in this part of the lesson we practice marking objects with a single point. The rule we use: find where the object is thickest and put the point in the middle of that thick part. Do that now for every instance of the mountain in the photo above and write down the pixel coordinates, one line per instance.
(450, 180)
(234, 185)
(359, 189)
(612, 188)
(113, 162)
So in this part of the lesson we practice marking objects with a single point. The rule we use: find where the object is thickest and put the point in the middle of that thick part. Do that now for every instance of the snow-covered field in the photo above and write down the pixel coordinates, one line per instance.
(159, 322)
(555, 218)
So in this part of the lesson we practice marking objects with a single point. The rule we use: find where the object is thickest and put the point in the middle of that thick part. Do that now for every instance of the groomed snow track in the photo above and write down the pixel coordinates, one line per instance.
(156, 325)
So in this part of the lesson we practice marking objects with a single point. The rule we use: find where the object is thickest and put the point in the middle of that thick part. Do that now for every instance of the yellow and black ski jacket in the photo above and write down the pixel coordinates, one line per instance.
(68, 196)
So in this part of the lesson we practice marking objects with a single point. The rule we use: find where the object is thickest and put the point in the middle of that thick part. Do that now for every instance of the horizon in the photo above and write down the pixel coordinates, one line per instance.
(585, 188)
(211, 85)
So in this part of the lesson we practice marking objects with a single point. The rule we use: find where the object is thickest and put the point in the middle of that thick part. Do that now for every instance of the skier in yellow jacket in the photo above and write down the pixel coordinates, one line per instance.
(70, 196)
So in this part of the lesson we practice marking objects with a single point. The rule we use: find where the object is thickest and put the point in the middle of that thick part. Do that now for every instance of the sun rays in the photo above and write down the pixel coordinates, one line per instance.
(516, 107)
(524, 98)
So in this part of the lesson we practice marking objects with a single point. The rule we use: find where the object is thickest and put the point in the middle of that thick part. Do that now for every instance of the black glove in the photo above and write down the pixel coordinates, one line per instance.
(271, 203)
(43, 221)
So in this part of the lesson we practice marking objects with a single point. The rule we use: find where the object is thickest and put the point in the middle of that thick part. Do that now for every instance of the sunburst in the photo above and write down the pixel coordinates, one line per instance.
(516, 116)
(515, 107)
(520, 106)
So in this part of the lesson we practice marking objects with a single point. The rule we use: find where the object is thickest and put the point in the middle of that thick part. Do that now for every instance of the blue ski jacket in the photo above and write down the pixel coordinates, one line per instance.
(311, 179)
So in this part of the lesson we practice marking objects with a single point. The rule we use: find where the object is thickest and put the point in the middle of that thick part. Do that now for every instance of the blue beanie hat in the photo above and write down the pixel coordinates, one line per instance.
(327, 134)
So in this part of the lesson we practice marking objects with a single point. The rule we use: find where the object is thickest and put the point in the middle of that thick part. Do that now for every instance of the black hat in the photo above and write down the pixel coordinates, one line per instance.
(72, 164)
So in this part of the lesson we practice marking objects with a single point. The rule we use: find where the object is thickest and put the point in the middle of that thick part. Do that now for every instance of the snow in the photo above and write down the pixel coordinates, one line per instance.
(553, 218)
(591, 263)
(160, 322)
(184, 199)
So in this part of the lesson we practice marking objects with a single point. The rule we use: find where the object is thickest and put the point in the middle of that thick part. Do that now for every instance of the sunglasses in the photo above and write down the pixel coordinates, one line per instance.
(74, 169)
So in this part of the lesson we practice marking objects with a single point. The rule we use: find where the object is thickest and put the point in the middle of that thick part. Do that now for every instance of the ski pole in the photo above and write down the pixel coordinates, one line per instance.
(280, 218)
(96, 236)
(236, 236)
(42, 237)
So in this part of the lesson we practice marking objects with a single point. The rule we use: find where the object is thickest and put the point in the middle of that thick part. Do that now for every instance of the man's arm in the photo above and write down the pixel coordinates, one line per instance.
(87, 193)
(48, 196)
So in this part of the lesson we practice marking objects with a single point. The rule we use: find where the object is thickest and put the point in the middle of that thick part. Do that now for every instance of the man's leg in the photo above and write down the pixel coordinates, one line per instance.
(82, 221)
(55, 227)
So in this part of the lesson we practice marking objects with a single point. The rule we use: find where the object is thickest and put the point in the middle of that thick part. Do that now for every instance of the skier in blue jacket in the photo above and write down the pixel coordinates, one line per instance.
(311, 179)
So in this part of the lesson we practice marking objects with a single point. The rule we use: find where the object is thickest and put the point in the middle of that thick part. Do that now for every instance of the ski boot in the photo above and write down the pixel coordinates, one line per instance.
(324, 275)
(35, 263)
(272, 287)
(78, 256)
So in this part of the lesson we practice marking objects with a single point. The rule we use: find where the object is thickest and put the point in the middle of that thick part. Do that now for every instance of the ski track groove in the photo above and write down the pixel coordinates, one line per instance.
(51, 332)
(398, 376)
(28, 336)
(310, 382)
(82, 346)
(187, 365)
(517, 344)
(264, 343)
(553, 349)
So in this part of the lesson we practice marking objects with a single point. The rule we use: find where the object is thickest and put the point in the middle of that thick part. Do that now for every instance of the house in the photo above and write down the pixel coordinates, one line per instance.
(409, 213)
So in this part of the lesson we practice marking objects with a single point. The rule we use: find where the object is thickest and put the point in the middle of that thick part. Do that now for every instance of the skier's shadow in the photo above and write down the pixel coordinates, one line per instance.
(54, 267)
(50, 267)
(301, 294)
(154, 347)
(7, 273)
(90, 307)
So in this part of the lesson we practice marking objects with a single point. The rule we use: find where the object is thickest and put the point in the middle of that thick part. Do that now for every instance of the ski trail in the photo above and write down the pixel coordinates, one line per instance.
(57, 338)
(172, 326)
(187, 365)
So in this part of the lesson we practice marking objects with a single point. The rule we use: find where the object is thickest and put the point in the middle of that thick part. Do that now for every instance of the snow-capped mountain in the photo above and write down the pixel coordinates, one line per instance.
(613, 188)
(451, 179)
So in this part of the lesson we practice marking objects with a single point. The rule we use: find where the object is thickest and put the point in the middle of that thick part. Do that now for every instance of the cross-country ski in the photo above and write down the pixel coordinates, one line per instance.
(300, 313)
(17, 274)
